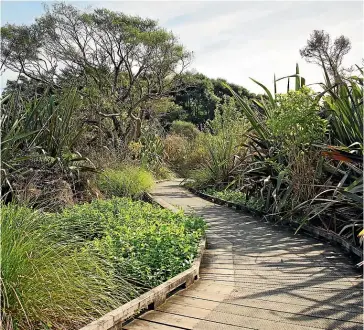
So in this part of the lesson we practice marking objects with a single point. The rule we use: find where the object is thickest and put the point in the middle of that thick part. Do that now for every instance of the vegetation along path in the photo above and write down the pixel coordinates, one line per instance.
(258, 276)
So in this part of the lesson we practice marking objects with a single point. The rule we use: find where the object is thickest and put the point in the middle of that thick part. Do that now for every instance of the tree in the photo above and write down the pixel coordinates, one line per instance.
(21, 53)
(127, 59)
(202, 95)
(320, 49)
(197, 98)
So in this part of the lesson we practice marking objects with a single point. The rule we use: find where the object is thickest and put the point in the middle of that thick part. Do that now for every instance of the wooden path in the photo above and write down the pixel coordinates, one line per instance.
(258, 276)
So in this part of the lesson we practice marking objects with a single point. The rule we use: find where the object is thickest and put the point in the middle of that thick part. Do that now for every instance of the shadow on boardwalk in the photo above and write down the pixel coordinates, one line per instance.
(259, 276)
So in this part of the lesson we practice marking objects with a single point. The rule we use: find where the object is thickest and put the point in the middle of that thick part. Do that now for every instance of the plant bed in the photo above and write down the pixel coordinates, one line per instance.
(156, 296)
(319, 233)
(63, 270)
(151, 299)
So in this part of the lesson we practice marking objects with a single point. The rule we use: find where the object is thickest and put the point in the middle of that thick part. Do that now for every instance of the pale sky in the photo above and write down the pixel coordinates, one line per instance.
(236, 40)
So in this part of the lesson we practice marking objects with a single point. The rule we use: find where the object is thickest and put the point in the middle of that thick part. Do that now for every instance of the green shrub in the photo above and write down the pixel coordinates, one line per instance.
(127, 182)
(175, 151)
(184, 129)
(47, 282)
(208, 157)
(184, 155)
(228, 118)
(296, 121)
(220, 164)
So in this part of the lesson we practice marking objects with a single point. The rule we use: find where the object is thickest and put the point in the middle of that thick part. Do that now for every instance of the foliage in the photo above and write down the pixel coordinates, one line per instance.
(220, 162)
(126, 59)
(228, 118)
(151, 152)
(257, 119)
(50, 283)
(338, 208)
(201, 96)
(45, 123)
(345, 111)
(163, 172)
(184, 155)
(300, 82)
(40, 135)
(129, 181)
(295, 121)
(65, 269)
(224, 144)
(146, 244)
(288, 141)
(197, 98)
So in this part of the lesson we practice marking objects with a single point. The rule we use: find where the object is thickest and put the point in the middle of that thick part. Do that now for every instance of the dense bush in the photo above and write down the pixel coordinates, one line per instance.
(163, 172)
(130, 181)
(223, 145)
(290, 163)
(184, 155)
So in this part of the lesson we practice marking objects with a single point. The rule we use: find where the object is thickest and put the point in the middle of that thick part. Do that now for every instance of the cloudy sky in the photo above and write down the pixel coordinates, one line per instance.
(236, 40)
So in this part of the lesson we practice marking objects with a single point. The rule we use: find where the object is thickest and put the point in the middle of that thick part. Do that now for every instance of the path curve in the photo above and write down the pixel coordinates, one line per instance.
(258, 276)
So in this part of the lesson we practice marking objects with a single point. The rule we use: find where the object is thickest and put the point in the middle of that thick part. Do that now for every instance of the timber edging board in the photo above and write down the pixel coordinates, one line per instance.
(156, 296)
(312, 230)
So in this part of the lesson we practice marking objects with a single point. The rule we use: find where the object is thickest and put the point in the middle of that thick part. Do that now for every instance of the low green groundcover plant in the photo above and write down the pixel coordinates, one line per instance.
(147, 244)
(60, 271)
(130, 181)
(236, 197)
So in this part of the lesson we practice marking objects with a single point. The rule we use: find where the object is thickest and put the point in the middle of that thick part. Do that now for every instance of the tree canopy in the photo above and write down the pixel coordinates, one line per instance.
(127, 59)
(126, 68)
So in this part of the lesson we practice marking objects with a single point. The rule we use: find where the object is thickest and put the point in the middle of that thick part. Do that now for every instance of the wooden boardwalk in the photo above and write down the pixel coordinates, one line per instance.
(258, 276)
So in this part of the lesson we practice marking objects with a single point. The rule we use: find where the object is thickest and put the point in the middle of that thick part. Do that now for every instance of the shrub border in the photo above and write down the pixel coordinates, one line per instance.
(156, 296)
(312, 230)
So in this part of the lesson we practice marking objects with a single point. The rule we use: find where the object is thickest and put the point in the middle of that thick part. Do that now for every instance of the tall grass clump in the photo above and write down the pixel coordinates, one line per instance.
(51, 283)
(129, 181)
